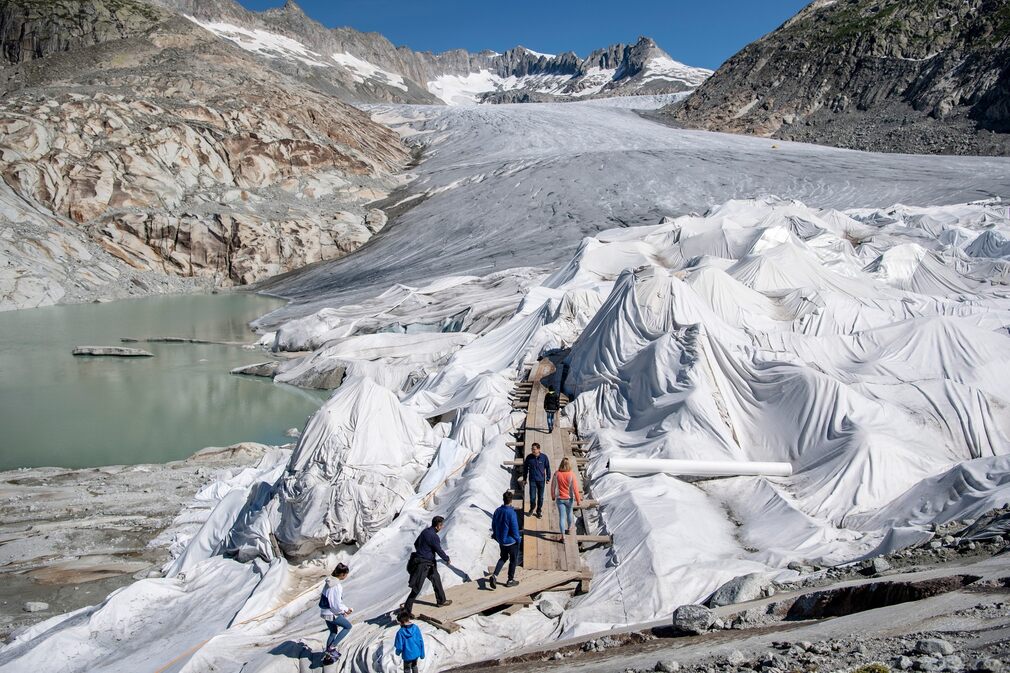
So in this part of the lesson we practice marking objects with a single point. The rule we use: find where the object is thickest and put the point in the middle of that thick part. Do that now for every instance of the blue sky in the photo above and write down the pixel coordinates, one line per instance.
(698, 32)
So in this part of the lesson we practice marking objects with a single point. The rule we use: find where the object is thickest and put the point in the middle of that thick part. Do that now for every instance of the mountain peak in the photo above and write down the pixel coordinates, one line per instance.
(292, 7)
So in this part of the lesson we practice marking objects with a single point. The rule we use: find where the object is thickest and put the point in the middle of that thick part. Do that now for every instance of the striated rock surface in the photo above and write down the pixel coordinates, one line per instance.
(174, 154)
(918, 76)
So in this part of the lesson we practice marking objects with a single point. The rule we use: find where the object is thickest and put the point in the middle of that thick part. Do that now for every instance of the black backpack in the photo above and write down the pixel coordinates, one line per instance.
(324, 602)
(412, 562)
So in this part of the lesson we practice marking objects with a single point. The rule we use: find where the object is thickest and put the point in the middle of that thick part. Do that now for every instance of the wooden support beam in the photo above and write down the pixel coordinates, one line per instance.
(595, 539)
(587, 504)
(521, 600)
(515, 444)
(447, 626)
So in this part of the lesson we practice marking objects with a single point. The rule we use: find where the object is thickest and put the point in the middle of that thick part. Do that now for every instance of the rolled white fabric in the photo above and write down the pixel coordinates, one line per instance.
(698, 468)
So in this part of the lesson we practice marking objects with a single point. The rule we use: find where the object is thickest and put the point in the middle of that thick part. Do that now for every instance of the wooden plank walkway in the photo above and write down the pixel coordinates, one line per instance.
(549, 559)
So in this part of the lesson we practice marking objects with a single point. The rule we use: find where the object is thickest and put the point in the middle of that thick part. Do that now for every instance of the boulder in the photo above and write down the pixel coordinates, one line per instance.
(36, 606)
(875, 566)
(266, 369)
(693, 619)
(740, 590)
(551, 607)
(735, 658)
(934, 646)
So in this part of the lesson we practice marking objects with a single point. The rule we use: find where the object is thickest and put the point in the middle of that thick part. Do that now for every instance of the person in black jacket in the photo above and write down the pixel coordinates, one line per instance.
(552, 402)
(421, 565)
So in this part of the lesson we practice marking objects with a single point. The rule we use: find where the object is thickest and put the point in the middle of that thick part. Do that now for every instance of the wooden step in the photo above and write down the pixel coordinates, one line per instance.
(519, 461)
(519, 501)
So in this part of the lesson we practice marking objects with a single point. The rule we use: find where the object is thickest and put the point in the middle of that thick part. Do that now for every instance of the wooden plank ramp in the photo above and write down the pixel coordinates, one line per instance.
(471, 598)
(549, 558)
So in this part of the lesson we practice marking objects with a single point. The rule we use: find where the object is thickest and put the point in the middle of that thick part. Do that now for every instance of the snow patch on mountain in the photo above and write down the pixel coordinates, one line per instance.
(665, 68)
(263, 42)
(538, 53)
(364, 70)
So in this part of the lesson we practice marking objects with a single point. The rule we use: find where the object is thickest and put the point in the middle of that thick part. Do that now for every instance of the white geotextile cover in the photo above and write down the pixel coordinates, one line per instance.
(865, 348)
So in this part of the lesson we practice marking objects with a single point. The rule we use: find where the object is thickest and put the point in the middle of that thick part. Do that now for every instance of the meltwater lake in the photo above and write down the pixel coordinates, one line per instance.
(66, 411)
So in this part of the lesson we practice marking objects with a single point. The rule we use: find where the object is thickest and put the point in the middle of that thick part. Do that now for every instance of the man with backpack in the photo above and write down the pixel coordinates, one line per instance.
(505, 531)
(552, 403)
(421, 565)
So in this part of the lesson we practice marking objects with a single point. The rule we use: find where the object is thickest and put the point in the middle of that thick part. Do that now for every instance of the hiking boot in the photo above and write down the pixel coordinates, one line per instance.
(492, 582)
(443, 603)
(512, 583)
(540, 515)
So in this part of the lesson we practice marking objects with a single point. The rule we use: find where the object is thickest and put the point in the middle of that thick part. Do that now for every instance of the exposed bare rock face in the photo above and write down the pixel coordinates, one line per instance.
(924, 76)
(175, 155)
(34, 29)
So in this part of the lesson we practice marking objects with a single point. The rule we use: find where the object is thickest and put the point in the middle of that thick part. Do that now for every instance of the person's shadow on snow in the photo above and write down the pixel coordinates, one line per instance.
(294, 649)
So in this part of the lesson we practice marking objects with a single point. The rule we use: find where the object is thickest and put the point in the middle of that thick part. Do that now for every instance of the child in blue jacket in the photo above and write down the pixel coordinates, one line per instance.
(409, 642)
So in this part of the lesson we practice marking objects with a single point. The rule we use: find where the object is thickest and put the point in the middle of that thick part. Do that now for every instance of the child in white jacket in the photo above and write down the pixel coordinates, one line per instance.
(333, 611)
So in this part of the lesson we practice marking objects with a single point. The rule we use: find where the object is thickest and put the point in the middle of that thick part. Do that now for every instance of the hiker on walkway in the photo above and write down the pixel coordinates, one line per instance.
(334, 612)
(505, 531)
(421, 565)
(536, 470)
(565, 491)
(409, 642)
(552, 402)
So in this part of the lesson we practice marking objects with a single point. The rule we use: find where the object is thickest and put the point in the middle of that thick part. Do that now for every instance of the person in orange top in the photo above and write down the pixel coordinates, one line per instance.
(565, 492)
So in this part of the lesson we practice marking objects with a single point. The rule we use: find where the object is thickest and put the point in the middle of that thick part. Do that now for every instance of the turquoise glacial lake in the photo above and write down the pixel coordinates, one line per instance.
(66, 411)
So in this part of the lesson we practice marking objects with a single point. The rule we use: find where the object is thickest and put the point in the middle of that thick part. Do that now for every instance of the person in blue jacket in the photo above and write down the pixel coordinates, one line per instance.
(505, 531)
(409, 642)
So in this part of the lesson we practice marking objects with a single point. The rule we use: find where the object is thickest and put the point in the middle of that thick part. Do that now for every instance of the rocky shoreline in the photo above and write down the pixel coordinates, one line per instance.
(70, 537)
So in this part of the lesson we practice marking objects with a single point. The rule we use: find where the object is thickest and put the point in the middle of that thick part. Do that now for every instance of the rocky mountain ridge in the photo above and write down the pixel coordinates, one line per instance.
(917, 76)
(170, 159)
(368, 67)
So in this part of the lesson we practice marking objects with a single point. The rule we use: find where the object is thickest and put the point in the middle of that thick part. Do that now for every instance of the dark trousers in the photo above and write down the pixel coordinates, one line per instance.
(537, 495)
(550, 420)
(410, 666)
(424, 570)
(510, 553)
